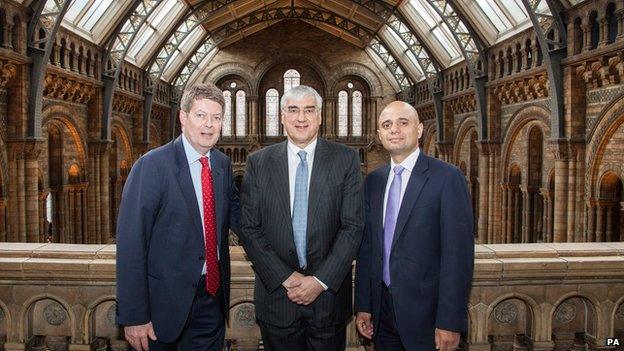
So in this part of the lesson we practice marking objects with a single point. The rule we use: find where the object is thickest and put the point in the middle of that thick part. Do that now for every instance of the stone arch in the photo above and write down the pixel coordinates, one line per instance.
(155, 136)
(300, 55)
(30, 303)
(428, 140)
(531, 113)
(564, 311)
(6, 319)
(123, 134)
(91, 314)
(532, 311)
(64, 115)
(608, 123)
(245, 72)
(359, 70)
(617, 319)
(465, 127)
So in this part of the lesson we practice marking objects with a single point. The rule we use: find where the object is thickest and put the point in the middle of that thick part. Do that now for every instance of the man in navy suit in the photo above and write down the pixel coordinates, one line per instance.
(173, 262)
(414, 268)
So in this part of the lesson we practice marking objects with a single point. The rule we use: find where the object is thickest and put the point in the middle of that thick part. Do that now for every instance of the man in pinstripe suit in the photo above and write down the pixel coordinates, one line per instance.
(302, 222)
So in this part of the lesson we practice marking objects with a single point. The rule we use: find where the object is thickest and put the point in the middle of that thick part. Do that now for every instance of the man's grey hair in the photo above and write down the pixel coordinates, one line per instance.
(300, 92)
(201, 91)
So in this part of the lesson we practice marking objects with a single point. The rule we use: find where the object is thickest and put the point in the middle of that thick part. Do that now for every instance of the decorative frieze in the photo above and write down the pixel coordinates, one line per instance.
(66, 88)
(523, 89)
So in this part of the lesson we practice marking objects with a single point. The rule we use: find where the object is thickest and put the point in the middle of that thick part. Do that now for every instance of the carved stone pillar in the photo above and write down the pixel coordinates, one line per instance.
(590, 235)
(93, 194)
(561, 194)
(550, 219)
(330, 112)
(484, 178)
(21, 198)
(504, 191)
(255, 114)
(586, 37)
(571, 208)
(510, 214)
(604, 32)
(104, 194)
(71, 216)
(526, 200)
(609, 223)
(31, 181)
(534, 55)
(3, 233)
(599, 225)
(517, 227)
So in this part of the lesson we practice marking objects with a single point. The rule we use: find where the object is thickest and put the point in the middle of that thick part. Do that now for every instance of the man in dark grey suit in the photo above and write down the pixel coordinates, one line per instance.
(301, 225)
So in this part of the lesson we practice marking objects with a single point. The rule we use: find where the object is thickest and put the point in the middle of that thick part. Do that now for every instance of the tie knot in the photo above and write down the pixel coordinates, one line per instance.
(302, 155)
(398, 169)
(204, 161)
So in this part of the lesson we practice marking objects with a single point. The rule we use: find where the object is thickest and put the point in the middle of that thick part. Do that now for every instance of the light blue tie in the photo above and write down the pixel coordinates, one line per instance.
(392, 213)
(300, 208)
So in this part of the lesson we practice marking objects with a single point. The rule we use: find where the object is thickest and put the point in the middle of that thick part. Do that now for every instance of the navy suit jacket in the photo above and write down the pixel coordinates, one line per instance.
(160, 240)
(432, 257)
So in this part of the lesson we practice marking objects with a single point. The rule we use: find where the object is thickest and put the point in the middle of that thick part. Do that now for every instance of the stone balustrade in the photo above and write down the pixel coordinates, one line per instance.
(525, 297)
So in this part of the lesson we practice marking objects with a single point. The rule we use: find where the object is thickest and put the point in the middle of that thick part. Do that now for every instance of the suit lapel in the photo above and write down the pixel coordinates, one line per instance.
(219, 191)
(280, 180)
(320, 170)
(414, 187)
(186, 183)
(377, 204)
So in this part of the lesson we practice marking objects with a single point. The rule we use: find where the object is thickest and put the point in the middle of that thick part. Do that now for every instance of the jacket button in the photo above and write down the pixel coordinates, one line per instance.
(201, 258)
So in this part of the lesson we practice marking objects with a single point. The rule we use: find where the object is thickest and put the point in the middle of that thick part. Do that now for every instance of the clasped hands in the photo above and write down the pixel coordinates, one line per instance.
(301, 289)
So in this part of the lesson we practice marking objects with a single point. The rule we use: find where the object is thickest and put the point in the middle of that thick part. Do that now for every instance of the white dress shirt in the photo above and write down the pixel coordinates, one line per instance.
(293, 163)
(195, 166)
(408, 164)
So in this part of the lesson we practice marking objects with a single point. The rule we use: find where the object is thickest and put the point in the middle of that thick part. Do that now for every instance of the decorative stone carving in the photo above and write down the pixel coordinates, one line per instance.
(506, 313)
(54, 313)
(523, 89)
(619, 314)
(61, 87)
(7, 72)
(245, 315)
(125, 104)
(1, 315)
(565, 313)
(111, 314)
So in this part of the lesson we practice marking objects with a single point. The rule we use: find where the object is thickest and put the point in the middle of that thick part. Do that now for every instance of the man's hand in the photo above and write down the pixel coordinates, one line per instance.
(137, 335)
(306, 292)
(292, 281)
(364, 324)
(446, 340)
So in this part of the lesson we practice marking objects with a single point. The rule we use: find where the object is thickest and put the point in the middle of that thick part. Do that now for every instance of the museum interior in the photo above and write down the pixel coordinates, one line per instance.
(525, 97)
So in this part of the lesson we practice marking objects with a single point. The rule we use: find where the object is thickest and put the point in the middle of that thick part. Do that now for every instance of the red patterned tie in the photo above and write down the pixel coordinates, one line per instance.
(210, 229)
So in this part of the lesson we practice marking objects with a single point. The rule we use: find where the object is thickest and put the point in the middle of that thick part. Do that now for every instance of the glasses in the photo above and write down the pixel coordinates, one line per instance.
(307, 111)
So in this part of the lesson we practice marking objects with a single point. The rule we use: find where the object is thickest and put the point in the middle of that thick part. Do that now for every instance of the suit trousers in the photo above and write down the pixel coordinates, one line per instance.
(205, 325)
(387, 336)
(302, 335)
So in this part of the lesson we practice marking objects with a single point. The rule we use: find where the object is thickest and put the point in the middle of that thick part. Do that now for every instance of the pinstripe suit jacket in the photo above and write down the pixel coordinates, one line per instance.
(334, 231)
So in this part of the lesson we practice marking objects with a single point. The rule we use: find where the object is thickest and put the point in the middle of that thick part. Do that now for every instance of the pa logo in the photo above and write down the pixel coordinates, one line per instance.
(612, 342)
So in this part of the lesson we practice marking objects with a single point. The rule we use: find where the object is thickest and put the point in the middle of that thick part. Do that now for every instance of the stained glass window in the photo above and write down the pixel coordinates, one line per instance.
(356, 114)
(343, 113)
(272, 112)
(241, 113)
(226, 127)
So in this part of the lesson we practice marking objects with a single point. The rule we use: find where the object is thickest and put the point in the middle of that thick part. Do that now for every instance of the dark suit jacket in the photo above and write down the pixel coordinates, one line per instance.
(160, 240)
(334, 230)
(432, 255)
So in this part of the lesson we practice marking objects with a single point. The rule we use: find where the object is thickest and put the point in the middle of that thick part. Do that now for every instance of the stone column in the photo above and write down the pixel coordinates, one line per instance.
(517, 217)
(571, 210)
(504, 191)
(484, 169)
(534, 54)
(330, 113)
(561, 182)
(104, 193)
(609, 223)
(599, 218)
(526, 200)
(604, 32)
(12, 213)
(71, 218)
(511, 210)
(550, 218)
(619, 15)
(32, 192)
(621, 221)
(21, 198)
(253, 113)
(3, 236)
(590, 235)
(492, 196)
(544, 193)
(586, 37)
(42, 220)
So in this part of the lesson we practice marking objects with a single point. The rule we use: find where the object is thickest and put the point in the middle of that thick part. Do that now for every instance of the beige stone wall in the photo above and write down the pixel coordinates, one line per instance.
(541, 296)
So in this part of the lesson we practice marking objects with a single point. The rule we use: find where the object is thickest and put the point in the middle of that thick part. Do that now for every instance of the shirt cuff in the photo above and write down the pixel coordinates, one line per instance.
(320, 282)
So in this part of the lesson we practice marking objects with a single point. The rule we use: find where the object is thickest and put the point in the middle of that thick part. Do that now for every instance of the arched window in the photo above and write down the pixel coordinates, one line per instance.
(595, 29)
(611, 23)
(226, 126)
(291, 79)
(343, 114)
(241, 113)
(272, 112)
(356, 114)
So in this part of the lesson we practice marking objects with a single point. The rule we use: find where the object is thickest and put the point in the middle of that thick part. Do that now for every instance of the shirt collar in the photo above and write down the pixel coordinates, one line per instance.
(409, 162)
(192, 155)
(308, 149)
